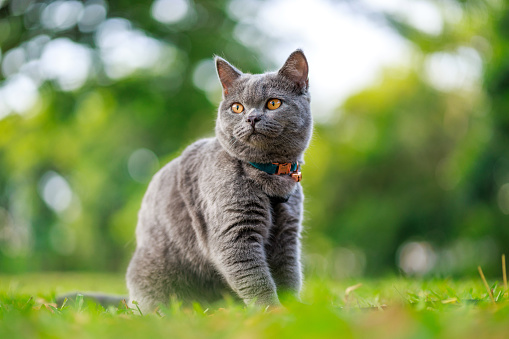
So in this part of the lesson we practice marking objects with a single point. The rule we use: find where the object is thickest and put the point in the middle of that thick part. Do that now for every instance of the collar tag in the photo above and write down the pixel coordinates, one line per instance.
(286, 168)
(297, 176)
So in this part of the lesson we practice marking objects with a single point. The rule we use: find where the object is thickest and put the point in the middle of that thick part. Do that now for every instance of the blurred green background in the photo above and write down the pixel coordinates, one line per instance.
(408, 170)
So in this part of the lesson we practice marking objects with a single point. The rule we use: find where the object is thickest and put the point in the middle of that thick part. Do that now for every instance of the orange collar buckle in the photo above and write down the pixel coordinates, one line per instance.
(284, 168)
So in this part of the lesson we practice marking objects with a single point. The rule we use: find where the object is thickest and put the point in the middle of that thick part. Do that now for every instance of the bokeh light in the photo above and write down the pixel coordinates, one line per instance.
(169, 11)
(67, 63)
(416, 258)
(19, 93)
(55, 191)
(61, 15)
(142, 164)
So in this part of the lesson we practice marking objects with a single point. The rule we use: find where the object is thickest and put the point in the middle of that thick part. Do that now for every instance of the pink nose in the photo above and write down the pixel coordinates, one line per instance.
(253, 119)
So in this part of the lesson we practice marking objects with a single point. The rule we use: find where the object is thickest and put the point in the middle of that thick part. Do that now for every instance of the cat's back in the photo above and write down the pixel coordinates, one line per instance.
(193, 155)
(166, 201)
(184, 170)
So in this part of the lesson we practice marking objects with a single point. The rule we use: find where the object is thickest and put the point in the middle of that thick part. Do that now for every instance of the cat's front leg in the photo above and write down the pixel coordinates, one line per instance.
(237, 247)
(283, 249)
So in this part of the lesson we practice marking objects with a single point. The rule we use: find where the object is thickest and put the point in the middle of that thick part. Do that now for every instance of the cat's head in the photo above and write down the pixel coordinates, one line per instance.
(265, 117)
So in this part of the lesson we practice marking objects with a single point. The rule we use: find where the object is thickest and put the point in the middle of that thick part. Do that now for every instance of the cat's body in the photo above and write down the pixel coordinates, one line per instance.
(211, 223)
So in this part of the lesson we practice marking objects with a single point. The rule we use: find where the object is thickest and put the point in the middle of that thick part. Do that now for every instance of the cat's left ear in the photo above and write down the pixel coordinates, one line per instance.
(227, 73)
(296, 69)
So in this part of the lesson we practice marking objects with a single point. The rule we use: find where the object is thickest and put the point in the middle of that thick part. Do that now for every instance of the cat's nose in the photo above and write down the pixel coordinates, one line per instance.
(253, 119)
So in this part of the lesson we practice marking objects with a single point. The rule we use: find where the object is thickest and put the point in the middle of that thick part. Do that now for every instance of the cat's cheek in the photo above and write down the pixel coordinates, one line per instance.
(227, 127)
(239, 132)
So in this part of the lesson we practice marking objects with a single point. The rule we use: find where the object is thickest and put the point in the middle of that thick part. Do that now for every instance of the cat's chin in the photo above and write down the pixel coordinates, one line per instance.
(260, 142)
(256, 138)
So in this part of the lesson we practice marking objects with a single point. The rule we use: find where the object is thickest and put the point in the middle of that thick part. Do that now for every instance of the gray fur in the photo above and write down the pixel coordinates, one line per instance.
(208, 225)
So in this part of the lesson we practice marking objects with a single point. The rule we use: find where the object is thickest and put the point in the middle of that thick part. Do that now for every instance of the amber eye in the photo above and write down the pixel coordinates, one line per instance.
(237, 108)
(273, 104)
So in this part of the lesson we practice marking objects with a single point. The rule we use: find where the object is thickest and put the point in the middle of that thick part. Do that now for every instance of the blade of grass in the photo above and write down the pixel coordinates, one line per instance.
(450, 301)
(486, 284)
(79, 302)
(29, 303)
(349, 290)
(53, 309)
(136, 304)
(504, 274)
(63, 304)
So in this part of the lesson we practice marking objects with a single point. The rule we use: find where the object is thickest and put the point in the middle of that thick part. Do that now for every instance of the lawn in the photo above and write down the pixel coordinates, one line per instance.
(379, 308)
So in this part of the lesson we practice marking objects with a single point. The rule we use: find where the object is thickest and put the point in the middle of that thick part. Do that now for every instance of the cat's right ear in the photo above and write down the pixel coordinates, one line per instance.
(227, 73)
(296, 69)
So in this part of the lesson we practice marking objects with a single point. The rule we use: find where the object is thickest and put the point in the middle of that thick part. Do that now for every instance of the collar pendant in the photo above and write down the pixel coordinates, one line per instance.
(286, 168)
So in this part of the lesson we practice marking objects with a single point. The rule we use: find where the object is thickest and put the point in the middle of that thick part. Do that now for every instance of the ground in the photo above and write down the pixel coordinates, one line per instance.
(392, 307)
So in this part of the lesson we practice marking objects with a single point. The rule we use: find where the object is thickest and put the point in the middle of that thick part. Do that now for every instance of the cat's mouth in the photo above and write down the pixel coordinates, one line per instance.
(256, 135)
(266, 130)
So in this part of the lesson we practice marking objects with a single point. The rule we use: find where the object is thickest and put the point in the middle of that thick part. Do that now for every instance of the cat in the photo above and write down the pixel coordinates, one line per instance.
(225, 216)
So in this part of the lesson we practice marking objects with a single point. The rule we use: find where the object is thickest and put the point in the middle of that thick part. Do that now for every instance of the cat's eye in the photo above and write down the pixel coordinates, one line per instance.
(237, 108)
(273, 104)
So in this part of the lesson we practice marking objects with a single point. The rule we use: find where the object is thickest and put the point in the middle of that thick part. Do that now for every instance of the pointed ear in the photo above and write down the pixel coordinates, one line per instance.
(296, 69)
(227, 73)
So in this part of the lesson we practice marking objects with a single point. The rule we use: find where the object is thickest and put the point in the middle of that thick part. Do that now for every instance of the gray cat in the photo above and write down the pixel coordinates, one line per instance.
(225, 217)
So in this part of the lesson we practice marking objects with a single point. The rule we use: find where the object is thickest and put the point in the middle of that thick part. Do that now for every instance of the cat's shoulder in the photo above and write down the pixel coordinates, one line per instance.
(196, 150)
(201, 152)
(201, 149)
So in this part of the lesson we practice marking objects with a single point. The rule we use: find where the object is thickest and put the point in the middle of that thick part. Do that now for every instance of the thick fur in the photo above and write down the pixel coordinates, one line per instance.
(209, 224)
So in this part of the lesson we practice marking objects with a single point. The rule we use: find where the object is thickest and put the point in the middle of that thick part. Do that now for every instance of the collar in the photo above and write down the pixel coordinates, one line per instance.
(275, 168)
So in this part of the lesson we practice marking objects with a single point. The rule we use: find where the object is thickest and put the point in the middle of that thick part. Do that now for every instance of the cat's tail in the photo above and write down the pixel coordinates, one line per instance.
(104, 300)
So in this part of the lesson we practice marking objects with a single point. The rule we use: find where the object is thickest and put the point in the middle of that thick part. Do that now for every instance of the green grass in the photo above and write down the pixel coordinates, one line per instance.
(384, 308)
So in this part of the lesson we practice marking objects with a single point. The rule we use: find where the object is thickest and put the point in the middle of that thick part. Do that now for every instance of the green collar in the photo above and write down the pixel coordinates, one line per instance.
(292, 169)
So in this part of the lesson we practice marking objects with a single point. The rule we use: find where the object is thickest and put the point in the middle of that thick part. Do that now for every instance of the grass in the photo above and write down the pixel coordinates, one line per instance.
(383, 308)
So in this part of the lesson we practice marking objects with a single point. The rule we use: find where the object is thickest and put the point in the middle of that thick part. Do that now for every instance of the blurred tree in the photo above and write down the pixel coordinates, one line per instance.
(423, 155)
(90, 101)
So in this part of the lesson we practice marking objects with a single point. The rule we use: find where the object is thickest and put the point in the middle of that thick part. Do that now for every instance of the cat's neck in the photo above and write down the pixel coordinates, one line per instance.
(272, 185)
